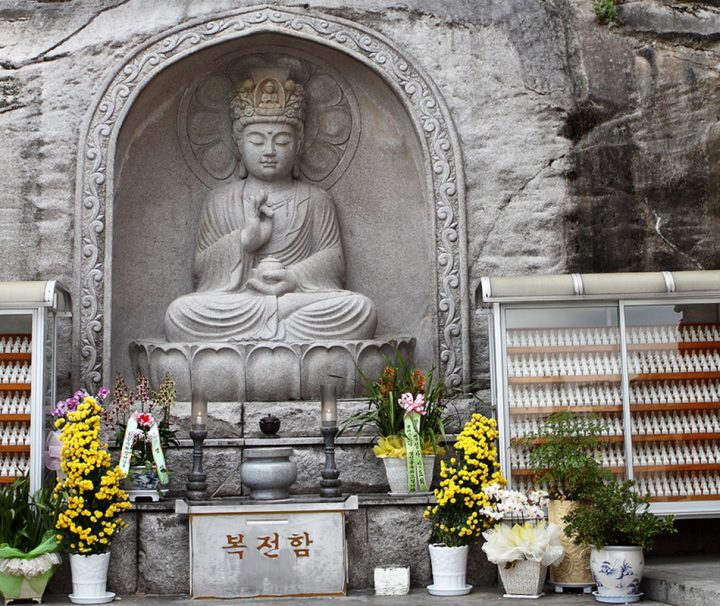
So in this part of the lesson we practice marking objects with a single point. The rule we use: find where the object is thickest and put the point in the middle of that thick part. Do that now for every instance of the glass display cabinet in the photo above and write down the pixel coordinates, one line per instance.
(28, 343)
(641, 351)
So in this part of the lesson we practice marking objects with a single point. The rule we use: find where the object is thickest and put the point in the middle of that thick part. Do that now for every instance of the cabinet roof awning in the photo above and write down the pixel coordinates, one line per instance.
(43, 293)
(562, 287)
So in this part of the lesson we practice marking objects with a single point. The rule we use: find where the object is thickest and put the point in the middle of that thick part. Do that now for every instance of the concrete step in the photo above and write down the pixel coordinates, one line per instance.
(683, 580)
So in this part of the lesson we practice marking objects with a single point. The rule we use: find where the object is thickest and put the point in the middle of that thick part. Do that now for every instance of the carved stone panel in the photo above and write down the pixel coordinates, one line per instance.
(206, 152)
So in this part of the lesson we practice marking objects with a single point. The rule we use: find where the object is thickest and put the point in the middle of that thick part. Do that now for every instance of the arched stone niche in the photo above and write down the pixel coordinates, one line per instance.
(400, 198)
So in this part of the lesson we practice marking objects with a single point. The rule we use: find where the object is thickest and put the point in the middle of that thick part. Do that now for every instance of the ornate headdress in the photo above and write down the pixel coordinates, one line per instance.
(269, 96)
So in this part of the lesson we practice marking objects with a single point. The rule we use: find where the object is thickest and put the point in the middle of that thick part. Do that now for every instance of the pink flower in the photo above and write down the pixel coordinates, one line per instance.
(103, 392)
(413, 405)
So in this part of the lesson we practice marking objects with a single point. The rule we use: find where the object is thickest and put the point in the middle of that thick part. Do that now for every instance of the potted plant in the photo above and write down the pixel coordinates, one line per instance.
(616, 523)
(28, 549)
(525, 547)
(562, 458)
(457, 518)
(140, 420)
(92, 500)
(408, 410)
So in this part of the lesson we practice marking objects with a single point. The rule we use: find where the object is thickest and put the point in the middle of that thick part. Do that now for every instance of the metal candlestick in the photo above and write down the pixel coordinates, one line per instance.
(196, 485)
(330, 484)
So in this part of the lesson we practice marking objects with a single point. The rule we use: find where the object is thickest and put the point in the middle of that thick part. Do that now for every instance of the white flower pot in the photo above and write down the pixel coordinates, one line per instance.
(449, 568)
(89, 578)
(617, 571)
(396, 472)
(523, 577)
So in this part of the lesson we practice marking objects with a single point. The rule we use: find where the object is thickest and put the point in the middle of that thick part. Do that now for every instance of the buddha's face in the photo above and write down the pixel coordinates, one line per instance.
(269, 149)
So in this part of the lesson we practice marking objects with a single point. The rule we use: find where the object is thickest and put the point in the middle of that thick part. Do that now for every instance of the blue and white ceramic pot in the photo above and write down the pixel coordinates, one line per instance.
(617, 571)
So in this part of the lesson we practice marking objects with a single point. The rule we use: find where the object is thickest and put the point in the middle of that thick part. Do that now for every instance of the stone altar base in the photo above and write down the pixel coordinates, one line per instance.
(265, 370)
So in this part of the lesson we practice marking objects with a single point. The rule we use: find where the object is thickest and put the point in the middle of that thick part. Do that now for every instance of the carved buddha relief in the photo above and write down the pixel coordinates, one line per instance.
(268, 259)
(299, 247)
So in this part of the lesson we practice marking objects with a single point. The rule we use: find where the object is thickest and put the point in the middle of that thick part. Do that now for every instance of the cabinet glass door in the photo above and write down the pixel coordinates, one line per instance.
(673, 355)
(15, 395)
(562, 358)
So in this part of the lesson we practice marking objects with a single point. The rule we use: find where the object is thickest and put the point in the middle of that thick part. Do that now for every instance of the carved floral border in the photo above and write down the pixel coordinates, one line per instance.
(421, 98)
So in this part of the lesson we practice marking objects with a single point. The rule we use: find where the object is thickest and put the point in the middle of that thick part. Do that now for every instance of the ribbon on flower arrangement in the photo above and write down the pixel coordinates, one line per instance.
(152, 435)
(414, 409)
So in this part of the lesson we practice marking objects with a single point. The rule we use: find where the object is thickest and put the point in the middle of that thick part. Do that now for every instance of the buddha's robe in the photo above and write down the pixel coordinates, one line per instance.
(305, 239)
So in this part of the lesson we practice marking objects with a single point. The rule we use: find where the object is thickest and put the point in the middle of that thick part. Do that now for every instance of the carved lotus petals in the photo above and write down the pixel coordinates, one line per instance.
(273, 373)
(321, 364)
(265, 370)
(218, 372)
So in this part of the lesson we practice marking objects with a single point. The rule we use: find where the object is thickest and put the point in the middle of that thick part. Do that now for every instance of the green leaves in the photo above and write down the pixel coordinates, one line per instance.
(616, 514)
(562, 455)
(25, 519)
(605, 11)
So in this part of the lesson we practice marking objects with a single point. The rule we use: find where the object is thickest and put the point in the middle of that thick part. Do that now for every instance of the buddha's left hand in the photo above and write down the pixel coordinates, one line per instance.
(275, 282)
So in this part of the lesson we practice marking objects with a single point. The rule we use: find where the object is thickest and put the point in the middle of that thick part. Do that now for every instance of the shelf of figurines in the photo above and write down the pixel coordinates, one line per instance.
(14, 404)
(664, 395)
(693, 486)
(591, 339)
(642, 366)
(644, 427)
(15, 346)
(13, 463)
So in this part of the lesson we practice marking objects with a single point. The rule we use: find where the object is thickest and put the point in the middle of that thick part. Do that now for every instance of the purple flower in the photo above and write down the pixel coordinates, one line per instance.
(103, 392)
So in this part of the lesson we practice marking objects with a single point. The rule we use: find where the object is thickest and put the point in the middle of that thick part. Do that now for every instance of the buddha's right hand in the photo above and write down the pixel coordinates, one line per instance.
(258, 221)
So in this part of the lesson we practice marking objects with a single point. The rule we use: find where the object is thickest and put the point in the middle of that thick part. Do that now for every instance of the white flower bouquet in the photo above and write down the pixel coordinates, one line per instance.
(539, 542)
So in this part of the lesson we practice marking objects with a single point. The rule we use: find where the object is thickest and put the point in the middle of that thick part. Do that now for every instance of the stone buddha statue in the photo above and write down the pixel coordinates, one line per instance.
(269, 261)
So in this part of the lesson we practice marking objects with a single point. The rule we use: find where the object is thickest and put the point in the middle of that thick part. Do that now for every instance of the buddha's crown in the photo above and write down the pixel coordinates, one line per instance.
(268, 95)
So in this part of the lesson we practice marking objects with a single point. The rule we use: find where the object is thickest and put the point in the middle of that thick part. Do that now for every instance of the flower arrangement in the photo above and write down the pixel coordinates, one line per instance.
(140, 419)
(401, 389)
(92, 499)
(458, 516)
(530, 538)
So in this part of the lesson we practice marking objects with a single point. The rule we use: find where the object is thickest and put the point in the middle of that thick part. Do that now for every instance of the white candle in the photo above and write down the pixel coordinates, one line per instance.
(198, 413)
(329, 405)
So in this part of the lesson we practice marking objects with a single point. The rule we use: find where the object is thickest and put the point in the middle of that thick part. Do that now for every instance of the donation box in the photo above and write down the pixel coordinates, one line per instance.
(246, 548)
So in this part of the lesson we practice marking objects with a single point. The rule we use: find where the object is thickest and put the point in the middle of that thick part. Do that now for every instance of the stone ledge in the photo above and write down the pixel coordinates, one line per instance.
(290, 441)
(683, 580)
(370, 499)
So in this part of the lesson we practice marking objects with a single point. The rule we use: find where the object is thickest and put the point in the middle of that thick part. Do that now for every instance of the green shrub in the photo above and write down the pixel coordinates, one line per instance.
(562, 455)
(616, 515)
(605, 11)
